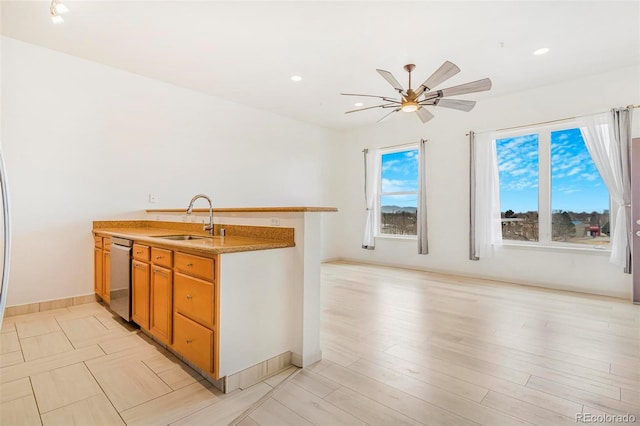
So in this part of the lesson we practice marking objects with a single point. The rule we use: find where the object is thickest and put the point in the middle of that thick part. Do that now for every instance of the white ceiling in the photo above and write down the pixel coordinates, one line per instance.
(246, 51)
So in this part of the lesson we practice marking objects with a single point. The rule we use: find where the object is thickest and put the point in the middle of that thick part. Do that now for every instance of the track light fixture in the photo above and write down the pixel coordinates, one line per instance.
(56, 10)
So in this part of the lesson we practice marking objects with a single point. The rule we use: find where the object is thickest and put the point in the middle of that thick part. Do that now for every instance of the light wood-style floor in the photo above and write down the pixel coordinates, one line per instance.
(400, 347)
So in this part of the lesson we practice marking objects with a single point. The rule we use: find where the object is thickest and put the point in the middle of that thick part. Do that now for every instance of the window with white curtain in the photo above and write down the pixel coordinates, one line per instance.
(398, 192)
(550, 190)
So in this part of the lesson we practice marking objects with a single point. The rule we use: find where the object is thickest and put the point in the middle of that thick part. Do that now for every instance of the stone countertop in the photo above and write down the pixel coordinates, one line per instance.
(209, 245)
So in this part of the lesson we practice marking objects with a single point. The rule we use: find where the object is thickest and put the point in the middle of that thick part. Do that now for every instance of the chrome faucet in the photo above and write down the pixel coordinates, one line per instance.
(190, 210)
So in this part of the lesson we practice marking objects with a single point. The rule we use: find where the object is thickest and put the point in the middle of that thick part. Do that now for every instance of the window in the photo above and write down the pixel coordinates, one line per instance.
(550, 189)
(518, 168)
(398, 192)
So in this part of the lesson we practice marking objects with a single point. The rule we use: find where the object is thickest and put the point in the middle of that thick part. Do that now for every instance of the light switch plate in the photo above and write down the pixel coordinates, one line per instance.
(153, 199)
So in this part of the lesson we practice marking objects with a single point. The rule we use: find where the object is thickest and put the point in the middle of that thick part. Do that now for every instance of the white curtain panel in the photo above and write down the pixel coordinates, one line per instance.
(371, 168)
(486, 221)
(611, 159)
(423, 246)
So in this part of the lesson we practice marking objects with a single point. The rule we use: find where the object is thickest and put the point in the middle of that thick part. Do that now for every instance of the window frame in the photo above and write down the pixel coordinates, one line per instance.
(380, 194)
(545, 215)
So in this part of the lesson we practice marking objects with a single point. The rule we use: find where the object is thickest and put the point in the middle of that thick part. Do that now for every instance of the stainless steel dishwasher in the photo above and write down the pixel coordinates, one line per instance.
(121, 277)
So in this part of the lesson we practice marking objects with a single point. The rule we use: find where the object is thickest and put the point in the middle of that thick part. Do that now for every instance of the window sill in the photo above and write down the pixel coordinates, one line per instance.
(559, 248)
(397, 238)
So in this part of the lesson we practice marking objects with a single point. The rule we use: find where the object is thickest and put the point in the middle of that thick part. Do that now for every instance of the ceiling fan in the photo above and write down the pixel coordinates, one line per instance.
(410, 99)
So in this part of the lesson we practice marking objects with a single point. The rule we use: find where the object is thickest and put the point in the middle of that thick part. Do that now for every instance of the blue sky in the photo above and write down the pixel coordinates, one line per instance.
(576, 184)
(400, 174)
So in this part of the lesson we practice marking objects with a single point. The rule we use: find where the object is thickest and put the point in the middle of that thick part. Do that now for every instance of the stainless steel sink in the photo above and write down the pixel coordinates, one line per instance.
(181, 237)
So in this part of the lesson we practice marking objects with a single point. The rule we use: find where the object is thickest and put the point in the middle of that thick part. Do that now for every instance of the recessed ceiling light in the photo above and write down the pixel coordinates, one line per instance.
(61, 8)
(296, 78)
(541, 51)
(56, 8)
(358, 104)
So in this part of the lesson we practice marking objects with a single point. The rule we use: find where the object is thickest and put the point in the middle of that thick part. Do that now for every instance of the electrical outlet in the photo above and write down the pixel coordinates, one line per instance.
(275, 221)
(153, 199)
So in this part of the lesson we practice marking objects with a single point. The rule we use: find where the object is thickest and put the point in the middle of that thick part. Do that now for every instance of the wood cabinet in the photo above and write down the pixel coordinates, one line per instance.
(102, 267)
(161, 303)
(152, 290)
(196, 310)
(174, 296)
(140, 293)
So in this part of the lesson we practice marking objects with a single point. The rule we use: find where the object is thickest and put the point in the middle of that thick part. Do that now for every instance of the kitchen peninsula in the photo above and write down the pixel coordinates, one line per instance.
(238, 307)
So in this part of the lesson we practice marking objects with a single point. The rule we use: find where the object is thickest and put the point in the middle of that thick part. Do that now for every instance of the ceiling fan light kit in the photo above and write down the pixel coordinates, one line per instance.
(410, 100)
(410, 106)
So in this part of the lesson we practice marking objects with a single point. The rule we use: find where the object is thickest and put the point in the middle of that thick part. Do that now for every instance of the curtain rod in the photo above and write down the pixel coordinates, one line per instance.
(547, 122)
(397, 146)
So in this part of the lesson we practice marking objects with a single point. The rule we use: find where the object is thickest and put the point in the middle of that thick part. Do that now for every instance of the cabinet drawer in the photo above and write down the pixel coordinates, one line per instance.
(193, 341)
(106, 243)
(196, 266)
(97, 241)
(161, 257)
(194, 298)
(141, 252)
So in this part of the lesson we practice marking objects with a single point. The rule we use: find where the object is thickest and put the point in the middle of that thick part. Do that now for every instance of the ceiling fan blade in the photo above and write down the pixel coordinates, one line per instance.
(391, 80)
(371, 107)
(444, 73)
(458, 104)
(387, 115)
(473, 87)
(424, 114)
(368, 96)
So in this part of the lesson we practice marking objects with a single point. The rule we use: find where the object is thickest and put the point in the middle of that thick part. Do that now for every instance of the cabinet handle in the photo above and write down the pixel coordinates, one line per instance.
(159, 271)
(189, 265)
(158, 257)
(138, 252)
(189, 297)
(189, 341)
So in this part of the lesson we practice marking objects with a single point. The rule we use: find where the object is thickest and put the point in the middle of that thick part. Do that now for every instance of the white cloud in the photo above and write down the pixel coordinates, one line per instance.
(519, 172)
(590, 177)
(398, 185)
(574, 171)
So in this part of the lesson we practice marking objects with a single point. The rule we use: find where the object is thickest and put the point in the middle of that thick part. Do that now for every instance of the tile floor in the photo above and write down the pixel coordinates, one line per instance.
(83, 366)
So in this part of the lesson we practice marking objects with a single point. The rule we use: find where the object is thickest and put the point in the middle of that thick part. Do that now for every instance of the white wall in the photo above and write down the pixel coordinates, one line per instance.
(85, 142)
(448, 186)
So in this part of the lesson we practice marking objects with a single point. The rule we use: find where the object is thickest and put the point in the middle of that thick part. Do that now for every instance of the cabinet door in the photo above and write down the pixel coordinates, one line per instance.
(161, 303)
(140, 290)
(106, 276)
(97, 271)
